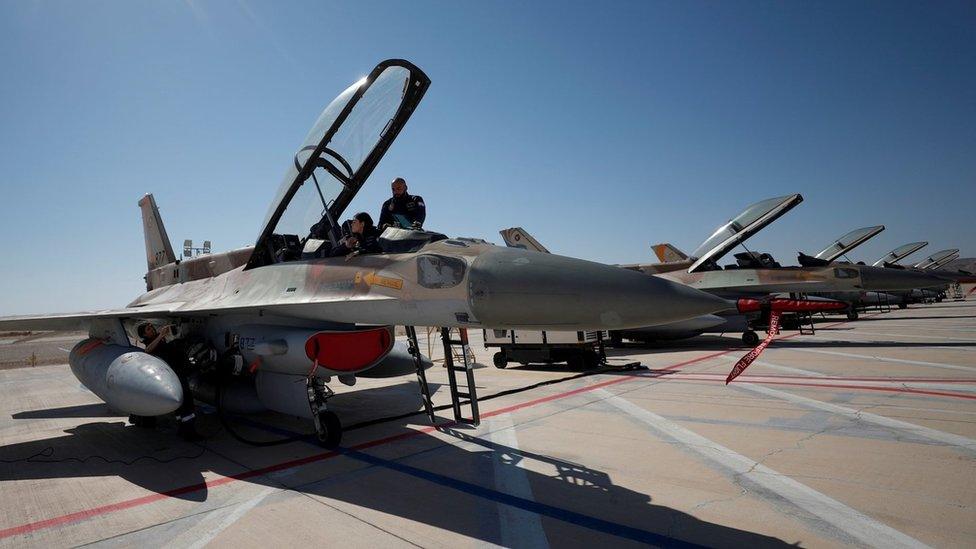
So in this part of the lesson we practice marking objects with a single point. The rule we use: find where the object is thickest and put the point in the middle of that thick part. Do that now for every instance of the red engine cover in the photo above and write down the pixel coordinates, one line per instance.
(349, 351)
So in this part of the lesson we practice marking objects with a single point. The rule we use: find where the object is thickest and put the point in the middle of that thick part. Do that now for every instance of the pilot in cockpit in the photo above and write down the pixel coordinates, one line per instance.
(362, 237)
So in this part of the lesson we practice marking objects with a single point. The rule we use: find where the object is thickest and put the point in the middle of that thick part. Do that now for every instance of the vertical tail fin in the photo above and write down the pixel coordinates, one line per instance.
(517, 237)
(666, 253)
(159, 251)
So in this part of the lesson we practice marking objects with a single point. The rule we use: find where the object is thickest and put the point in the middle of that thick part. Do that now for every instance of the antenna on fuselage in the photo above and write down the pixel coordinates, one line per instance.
(189, 251)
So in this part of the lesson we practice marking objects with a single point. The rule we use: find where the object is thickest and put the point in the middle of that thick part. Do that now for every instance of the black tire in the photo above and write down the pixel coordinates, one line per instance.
(333, 429)
(143, 422)
(499, 360)
(576, 361)
(903, 305)
(616, 339)
(750, 338)
(591, 359)
(852, 315)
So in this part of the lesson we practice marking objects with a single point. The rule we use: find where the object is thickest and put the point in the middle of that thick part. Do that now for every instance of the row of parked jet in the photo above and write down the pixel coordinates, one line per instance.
(266, 327)
(827, 275)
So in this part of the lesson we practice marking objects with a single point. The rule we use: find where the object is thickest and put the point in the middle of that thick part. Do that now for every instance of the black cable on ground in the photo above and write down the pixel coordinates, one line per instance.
(218, 393)
(630, 367)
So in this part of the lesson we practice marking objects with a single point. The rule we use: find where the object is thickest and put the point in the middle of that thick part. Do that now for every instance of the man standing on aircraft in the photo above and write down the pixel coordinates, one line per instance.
(409, 207)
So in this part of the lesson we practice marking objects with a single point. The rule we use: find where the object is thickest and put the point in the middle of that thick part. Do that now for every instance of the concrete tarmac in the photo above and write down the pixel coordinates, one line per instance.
(863, 434)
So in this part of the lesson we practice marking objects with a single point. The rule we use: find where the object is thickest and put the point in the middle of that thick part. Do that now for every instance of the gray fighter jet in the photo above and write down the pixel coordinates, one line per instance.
(754, 275)
(267, 327)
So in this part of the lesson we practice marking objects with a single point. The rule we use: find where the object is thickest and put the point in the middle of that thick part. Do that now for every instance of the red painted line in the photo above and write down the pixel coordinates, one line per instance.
(144, 500)
(152, 498)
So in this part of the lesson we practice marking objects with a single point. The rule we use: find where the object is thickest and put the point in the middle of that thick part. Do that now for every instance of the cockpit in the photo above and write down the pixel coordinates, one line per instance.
(336, 158)
(737, 230)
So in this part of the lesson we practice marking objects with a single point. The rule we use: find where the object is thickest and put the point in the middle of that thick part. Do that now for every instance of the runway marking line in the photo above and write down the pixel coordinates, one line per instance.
(152, 498)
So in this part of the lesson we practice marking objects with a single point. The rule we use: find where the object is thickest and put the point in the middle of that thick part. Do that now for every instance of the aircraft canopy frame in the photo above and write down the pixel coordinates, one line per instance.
(337, 157)
(848, 242)
(741, 227)
(899, 253)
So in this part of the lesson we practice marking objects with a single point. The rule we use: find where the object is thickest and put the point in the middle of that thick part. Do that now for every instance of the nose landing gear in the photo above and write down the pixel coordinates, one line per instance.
(328, 428)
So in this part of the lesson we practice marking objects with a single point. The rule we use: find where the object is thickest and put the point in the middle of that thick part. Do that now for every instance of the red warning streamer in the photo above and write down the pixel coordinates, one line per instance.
(745, 361)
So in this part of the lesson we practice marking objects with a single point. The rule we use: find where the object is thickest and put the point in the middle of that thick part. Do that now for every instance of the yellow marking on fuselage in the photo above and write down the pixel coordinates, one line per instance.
(373, 279)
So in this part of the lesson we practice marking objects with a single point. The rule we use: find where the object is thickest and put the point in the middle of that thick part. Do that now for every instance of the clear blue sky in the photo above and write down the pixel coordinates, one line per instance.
(599, 127)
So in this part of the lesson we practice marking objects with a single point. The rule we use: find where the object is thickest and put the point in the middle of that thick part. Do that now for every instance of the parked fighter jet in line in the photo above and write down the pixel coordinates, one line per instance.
(282, 318)
(755, 274)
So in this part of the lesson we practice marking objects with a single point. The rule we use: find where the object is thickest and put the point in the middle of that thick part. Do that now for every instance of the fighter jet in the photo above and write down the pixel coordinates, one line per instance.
(281, 319)
(754, 275)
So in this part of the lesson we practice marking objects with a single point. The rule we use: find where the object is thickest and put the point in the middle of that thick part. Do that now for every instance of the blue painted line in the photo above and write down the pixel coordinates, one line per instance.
(558, 513)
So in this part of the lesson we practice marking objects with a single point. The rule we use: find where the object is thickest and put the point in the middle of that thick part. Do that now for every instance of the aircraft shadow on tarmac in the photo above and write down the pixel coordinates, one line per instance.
(83, 410)
(454, 487)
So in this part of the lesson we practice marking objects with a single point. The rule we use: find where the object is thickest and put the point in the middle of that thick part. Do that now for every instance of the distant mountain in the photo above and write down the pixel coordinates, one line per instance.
(961, 264)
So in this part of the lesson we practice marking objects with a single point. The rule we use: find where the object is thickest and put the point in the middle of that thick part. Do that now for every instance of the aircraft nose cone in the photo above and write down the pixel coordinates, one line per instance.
(512, 288)
(883, 279)
(144, 385)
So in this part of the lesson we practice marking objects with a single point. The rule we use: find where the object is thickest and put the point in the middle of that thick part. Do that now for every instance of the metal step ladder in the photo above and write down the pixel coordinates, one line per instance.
(459, 348)
(414, 348)
(804, 321)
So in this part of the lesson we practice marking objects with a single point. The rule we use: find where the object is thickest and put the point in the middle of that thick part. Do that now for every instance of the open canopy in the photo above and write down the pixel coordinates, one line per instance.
(848, 242)
(741, 227)
(936, 258)
(338, 154)
(942, 262)
(901, 252)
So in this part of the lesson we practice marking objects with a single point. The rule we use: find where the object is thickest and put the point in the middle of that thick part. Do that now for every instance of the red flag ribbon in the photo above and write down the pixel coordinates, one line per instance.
(745, 361)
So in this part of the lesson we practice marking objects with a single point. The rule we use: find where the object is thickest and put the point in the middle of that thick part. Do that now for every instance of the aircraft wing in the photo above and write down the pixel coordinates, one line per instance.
(81, 321)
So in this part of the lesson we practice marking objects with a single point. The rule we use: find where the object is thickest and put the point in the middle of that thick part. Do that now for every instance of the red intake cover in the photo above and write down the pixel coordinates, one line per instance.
(783, 305)
(349, 351)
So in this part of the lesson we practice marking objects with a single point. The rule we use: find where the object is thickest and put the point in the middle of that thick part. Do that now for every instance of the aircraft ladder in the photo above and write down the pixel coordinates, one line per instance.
(459, 347)
(418, 360)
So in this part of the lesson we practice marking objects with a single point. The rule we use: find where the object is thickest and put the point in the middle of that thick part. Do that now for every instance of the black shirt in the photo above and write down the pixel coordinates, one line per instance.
(366, 243)
(410, 206)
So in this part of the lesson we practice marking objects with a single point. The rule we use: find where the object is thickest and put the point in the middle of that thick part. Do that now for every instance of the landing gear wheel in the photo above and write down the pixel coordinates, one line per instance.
(188, 430)
(852, 315)
(591, 359)
(750, 338)
(143, 422)
(903, 305)
(331, 433)
(499, 360)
